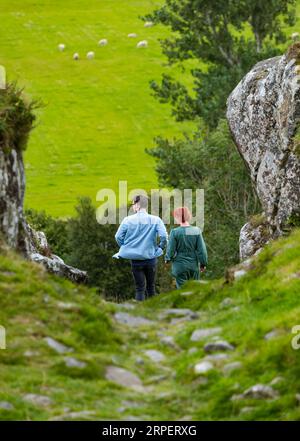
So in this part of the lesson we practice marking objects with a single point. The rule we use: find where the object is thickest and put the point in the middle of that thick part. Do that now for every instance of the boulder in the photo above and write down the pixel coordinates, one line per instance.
(263, 113)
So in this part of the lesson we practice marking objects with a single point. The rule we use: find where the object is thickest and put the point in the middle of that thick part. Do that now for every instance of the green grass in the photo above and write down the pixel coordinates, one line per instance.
(267, 298)
(99, 115)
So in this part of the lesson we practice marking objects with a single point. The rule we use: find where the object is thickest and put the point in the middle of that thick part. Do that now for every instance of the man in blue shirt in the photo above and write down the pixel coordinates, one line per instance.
(137, 237)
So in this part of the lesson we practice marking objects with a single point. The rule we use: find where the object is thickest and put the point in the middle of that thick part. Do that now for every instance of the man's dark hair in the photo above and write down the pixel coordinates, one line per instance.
(142, 200)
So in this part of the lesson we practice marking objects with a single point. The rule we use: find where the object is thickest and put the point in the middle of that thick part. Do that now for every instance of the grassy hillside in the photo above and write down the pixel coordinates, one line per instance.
(99, 116)
(35, 306)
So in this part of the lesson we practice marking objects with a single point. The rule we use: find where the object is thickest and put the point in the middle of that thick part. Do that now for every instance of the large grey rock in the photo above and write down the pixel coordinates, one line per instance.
(263, 113)
(131, 320)
(17, 233)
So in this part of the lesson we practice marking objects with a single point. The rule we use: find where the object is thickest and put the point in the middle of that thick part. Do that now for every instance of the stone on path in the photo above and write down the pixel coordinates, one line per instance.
(168, 340)
(226, 302)
(276, 380)
(123, 377)
(228, 368)
(246, 409)
(258, 392)
(217, 357)
(187, 293)
(126, 305)
(74, 363)
(218, 346)
(5, 405)
(181, 312)
(273, 334)
(56, 346)
(38, 400)
(130, 320)
(83, 414)
(154, 355)
(203, 367)
(200, 334)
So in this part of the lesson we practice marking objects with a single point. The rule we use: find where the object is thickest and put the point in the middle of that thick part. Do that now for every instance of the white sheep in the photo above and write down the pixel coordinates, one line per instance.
(295, 36)
(90, 55)
(76, 56)
(148, 24)
(132, 35)
(103, 42)
(142, 43)
(61, 47)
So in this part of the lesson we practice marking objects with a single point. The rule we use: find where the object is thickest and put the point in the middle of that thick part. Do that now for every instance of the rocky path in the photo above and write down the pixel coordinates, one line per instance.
(147, 370)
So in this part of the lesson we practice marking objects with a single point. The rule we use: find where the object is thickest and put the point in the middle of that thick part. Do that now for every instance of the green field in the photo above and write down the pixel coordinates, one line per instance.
(255, 314)
(99, 115)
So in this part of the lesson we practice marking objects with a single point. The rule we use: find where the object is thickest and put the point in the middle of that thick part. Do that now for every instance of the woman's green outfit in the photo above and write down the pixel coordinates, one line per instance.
(187, 251)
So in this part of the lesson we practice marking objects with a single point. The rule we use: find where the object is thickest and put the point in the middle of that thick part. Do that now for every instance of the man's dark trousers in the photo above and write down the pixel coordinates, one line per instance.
(144, 272)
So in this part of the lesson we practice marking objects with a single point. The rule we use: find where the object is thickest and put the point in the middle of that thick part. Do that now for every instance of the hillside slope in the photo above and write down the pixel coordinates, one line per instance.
(254, 315)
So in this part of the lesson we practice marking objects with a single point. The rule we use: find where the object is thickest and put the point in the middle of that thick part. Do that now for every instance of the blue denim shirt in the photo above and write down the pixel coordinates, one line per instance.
(137, 236)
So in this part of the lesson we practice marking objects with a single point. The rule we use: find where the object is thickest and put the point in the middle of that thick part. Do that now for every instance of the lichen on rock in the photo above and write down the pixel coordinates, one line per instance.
(263, 113)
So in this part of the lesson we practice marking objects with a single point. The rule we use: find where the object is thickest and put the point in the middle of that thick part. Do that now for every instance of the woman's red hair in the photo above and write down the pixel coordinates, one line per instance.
(182, 213)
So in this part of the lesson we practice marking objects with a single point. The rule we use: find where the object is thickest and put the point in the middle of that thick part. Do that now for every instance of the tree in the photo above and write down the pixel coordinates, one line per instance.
(216, 32)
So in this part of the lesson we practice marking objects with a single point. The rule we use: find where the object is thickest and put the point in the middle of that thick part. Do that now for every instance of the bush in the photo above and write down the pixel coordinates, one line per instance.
(16, 118)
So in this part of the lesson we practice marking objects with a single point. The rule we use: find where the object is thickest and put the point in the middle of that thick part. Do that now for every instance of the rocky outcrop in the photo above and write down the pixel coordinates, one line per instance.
(13, 226)
(263, 113)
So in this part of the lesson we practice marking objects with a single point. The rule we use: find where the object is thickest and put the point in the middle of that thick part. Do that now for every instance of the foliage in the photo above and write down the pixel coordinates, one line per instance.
(211, 162)
(16, 118)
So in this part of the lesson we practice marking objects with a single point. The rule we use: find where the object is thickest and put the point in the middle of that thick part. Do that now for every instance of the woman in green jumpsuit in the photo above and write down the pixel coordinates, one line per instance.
(186, 249)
